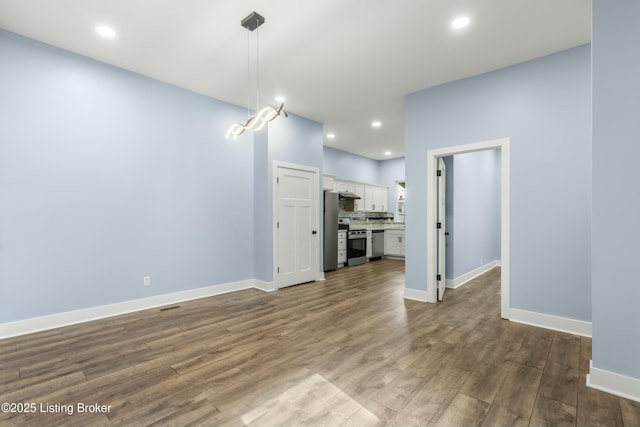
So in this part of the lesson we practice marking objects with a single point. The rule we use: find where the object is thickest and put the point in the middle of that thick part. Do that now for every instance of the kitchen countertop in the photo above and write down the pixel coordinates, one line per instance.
(363, 225)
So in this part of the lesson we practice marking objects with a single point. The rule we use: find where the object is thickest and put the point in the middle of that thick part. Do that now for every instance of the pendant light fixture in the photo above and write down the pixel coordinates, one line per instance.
(268, 113)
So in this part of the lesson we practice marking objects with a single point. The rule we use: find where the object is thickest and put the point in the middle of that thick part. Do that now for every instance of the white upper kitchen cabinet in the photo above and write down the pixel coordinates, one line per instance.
(359, 203)
(376, 198)
(345, 186)
(373, 197)
(355, 188)
(329, 182)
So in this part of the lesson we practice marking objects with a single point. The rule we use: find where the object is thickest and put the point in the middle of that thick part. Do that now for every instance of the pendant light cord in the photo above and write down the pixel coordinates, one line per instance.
(248, 74)
(257, 69)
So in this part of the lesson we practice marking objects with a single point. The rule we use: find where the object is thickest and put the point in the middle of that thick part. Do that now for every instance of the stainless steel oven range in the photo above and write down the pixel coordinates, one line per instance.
(356, 247)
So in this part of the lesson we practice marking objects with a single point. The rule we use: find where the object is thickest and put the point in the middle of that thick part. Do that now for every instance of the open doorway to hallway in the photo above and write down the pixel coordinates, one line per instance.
(472, 222)
(433, 156)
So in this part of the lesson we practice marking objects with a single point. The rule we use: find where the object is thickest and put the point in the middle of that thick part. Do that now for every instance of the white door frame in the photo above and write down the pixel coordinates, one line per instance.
(274, 203)
(505, 249)
(441, 217)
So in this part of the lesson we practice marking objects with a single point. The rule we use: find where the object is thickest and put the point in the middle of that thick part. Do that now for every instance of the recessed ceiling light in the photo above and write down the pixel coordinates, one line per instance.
(460, 22)
(376, 124)
(106, 31)
(280, 99)
(387, 153)
(331, 135)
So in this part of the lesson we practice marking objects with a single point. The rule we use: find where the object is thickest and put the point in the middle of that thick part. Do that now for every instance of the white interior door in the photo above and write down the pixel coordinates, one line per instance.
(440, 230)
(297, 226)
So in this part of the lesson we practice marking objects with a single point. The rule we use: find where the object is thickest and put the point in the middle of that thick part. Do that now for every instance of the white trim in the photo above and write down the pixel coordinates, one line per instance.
(432, 215)
(43, 323)
(505, 201)
(505, 230)
(610, 382)
(547, 321)
(416, 295)
(274, 206)
(469, 276)
(265, 286)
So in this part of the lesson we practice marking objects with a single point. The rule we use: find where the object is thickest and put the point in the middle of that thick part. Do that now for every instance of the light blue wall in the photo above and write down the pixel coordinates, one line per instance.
(616, 204)
(544, 107)
(350, 166)
(262, 199)
(476, 216)
(107, 176)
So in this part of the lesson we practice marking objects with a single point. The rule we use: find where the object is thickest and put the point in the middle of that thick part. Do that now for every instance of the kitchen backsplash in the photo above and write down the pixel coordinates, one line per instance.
(376, 223)
(365, 215)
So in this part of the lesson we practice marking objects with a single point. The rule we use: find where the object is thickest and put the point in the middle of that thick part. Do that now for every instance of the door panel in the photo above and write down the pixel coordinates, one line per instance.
(287, 239)
(304, 243)
(297, 243)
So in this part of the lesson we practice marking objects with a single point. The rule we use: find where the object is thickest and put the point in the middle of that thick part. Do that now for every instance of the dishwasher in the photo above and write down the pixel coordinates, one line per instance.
(377, 244)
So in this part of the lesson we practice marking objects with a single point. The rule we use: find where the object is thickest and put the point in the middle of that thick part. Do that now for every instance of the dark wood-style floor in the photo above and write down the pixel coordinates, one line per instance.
(347, 351)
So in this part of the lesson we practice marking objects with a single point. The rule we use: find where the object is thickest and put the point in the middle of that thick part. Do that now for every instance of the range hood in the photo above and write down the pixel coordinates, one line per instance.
(348, 196)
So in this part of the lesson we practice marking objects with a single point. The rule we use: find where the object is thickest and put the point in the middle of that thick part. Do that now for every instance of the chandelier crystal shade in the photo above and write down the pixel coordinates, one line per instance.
(265, 115)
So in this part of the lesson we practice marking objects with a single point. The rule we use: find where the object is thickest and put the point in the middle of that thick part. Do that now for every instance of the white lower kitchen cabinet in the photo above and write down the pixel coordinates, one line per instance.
(342, 258)
(394, 243)
(342, 248)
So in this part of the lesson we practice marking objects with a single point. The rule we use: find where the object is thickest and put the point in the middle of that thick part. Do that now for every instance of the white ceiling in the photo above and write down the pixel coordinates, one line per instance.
(343, 63)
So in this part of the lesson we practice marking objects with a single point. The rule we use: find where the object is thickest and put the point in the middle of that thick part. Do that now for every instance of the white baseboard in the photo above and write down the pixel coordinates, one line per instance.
(416, 295)
(613, 383)
(398, 257)
(37, 324)
(265, 286)
(467, 277)
(547, 321)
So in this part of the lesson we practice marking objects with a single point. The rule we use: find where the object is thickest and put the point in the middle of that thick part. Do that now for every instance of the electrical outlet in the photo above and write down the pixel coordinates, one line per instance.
(147, 280)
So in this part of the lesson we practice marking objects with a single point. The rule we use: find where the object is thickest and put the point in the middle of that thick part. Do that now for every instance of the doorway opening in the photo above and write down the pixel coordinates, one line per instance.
(433, 157)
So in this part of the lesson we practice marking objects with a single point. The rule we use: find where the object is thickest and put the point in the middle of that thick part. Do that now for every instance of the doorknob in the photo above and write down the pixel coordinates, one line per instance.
(314, 232)
(446, 233)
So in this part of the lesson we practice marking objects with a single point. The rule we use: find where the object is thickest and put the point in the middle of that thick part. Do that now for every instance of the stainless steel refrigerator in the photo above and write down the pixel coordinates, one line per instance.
(331, 206)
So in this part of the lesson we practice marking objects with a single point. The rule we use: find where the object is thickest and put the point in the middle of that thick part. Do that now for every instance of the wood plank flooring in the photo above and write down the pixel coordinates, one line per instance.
(349, 351)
